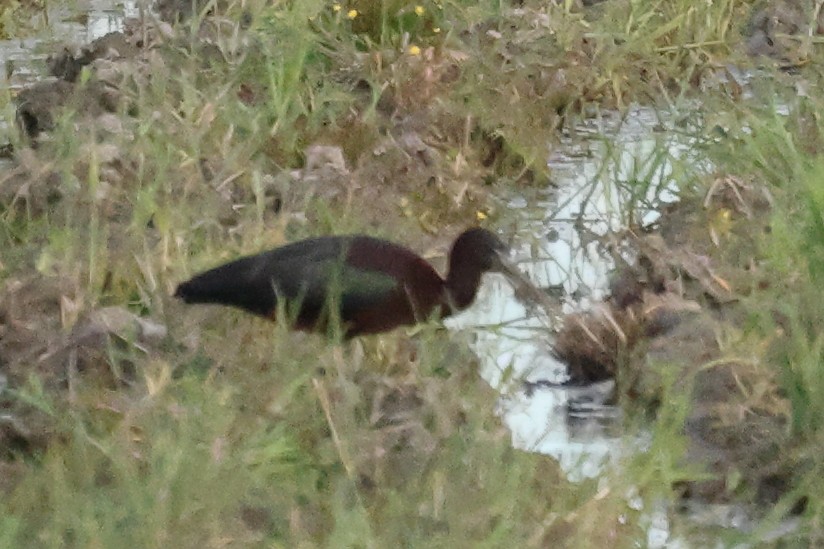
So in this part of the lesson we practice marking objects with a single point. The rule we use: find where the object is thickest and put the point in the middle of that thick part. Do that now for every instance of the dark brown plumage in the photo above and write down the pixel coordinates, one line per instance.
(368, 284)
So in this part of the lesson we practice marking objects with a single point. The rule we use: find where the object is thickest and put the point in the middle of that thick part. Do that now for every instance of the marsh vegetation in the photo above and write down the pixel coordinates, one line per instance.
(127, 419)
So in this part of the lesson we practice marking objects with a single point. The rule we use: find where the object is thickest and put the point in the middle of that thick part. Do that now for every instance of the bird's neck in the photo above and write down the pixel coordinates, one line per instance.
(462, 283)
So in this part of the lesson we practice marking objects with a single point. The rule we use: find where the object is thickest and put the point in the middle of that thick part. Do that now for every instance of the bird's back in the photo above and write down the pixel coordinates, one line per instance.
(370, 284)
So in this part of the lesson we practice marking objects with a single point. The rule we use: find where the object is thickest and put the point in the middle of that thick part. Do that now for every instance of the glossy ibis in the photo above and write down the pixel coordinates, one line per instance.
(370, 285)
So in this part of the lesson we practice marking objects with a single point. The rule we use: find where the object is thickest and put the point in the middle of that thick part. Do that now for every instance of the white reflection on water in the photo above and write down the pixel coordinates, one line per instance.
(75, 23)
(100, 18)
(513, 344)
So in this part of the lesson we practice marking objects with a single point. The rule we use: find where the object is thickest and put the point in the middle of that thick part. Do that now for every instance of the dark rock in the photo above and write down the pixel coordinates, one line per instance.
(68, 64)
(39, 106)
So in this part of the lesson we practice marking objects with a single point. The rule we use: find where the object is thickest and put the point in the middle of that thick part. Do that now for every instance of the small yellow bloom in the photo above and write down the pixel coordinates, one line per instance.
(481, 215)
(436, 30)
(419, 10)
(351, 14)
(414, 50)
(336, 7)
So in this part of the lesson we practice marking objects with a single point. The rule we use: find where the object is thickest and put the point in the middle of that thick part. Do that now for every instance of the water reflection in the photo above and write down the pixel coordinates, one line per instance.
(98, 18)
(598, 174)
(76, 23)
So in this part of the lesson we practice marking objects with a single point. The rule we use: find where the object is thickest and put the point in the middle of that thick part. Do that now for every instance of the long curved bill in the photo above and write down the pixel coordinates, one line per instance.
(525, 290)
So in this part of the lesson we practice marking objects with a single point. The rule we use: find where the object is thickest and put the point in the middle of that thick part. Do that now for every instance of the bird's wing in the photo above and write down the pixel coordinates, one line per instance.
(312, 272)
(354, 289)
(362, 289)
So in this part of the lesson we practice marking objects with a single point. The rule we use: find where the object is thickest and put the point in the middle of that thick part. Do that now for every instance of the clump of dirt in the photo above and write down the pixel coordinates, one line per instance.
(67, 64)
(39, 105)
(48, 344)
(175, 11)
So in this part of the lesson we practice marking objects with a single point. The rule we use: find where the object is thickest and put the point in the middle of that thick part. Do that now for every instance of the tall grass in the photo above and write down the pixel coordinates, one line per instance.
(783, 151)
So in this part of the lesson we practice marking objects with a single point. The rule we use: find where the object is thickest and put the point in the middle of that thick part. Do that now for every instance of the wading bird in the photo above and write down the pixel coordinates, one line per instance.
(366, 285)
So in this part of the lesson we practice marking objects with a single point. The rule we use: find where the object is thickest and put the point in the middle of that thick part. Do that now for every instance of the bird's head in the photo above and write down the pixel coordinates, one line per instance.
(477, 251)
(481, 251)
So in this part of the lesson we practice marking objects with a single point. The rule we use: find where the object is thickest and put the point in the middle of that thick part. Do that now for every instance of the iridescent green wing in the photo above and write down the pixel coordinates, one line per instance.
(353, 289)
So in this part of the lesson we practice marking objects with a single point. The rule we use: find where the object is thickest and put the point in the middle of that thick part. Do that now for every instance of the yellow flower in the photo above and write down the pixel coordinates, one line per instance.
(336, 7)
(481, 215)
(414, 50)
(351, 14)
(419, 10)
(436, 30)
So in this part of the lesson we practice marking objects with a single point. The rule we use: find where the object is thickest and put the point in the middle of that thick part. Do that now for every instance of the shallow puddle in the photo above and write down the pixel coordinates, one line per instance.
(78, 23)
(593, 174)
